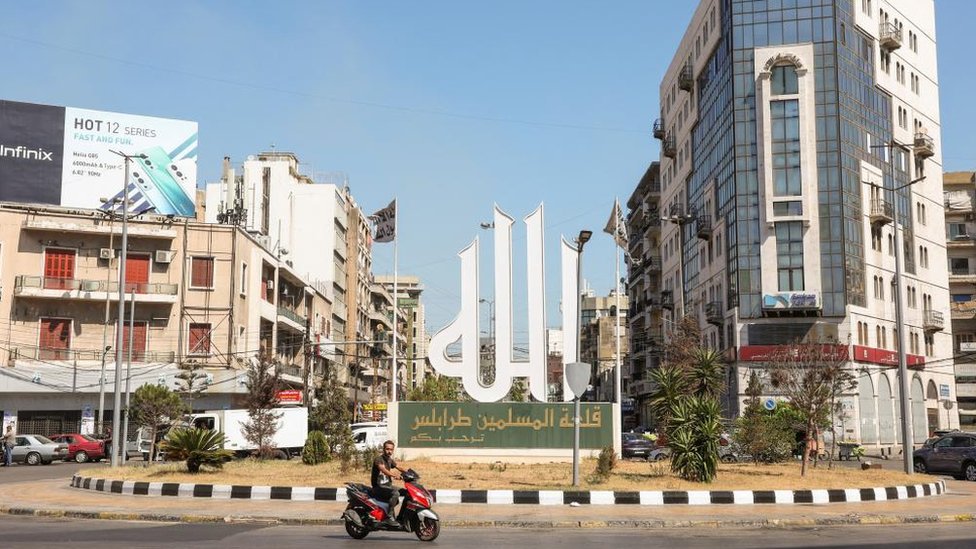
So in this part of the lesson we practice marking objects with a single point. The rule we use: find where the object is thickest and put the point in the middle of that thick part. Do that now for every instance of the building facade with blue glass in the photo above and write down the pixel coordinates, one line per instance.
(793, 134)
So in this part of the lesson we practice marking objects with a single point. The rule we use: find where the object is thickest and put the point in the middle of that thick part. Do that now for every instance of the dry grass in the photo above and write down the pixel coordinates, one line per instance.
(629, 475)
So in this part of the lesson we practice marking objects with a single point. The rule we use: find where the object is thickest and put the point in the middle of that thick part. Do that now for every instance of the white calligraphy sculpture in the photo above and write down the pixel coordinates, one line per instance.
(464, 327)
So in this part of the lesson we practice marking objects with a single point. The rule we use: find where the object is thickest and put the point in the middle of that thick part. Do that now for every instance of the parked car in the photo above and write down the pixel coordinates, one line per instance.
(81, 448)
(37, 449)
(659, 454)
(954, 453)
(634, 445)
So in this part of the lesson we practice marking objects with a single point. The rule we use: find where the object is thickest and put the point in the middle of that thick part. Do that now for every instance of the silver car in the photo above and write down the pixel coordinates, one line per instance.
(37, 449)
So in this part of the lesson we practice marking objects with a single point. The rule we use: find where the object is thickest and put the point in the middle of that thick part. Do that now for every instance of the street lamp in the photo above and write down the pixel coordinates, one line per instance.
(116, 410)
(681, 218)
(907, 434)
(583, 237)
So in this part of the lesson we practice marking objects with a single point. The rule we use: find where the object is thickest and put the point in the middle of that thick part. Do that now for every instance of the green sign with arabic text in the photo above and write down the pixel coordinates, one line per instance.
(502, 425)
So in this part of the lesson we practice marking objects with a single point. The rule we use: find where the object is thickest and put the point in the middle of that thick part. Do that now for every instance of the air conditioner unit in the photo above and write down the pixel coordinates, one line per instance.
(106, 253)
(164, 256)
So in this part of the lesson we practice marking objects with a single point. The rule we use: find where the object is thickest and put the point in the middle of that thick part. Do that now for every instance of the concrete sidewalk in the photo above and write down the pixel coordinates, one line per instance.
(55, 498)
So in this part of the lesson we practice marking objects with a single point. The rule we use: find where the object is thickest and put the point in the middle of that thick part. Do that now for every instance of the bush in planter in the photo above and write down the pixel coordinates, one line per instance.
(197, 447)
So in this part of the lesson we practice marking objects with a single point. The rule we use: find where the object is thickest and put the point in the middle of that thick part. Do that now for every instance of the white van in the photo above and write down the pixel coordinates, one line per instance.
(369, 437)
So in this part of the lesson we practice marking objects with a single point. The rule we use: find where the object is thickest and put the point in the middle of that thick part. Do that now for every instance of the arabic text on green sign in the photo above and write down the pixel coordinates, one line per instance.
(502, 425)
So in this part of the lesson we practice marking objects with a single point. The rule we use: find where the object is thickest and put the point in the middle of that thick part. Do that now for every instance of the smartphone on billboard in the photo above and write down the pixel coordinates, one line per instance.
(158, 177)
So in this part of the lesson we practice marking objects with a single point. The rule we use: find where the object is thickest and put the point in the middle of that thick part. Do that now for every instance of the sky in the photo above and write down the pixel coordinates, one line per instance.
(451, 107)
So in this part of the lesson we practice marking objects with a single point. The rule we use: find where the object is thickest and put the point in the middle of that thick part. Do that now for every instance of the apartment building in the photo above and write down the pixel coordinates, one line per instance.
(207, 297)
(599, 343)
(960, 196)
(412, 335)
(793, 136)
(318, 231)
(646, 300)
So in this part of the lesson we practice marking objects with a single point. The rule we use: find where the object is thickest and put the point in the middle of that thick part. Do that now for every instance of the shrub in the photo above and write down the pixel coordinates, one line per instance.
(606, 462)
(694, 439)
(364, 458)
(197, 447)
(316, 449)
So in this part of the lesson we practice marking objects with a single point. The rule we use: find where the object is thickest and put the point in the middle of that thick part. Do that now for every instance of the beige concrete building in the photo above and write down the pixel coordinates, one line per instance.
(412, 335)
(960, 193)
(207, 296)
(598, 343)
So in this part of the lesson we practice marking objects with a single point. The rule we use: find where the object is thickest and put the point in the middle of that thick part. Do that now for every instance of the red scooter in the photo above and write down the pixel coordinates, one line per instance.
(366, 514)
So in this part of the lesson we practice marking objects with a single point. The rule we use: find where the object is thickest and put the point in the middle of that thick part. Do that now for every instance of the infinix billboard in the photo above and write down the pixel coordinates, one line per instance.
(62, 156)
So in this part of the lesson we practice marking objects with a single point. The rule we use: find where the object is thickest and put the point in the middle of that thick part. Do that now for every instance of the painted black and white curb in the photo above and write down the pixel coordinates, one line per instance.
(529, 497)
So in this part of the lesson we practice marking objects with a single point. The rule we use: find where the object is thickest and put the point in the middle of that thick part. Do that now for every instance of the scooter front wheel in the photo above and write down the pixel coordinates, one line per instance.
(427, 529)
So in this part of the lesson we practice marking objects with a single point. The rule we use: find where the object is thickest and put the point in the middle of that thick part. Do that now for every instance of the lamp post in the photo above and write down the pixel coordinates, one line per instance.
(116, 410)
(681, 218)
(907, 446)
(581, 240)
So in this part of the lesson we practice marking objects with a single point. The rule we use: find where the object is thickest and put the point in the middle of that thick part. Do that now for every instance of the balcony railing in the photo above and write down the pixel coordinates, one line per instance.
(881, 212)
(64, 287)
(889, 36)
(704, 224)
(291, 315)
(686, 78)
(667, 300)
(653, 263)
(659, 128)
(90, 355)
(714, 314)
(933, 321)
(668, 146)
(924, 145)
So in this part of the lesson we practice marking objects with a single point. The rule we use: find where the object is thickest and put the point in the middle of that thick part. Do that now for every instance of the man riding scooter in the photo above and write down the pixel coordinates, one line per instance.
(382, 477)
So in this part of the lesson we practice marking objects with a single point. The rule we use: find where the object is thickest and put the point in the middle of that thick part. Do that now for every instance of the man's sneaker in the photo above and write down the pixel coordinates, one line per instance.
(391, 522)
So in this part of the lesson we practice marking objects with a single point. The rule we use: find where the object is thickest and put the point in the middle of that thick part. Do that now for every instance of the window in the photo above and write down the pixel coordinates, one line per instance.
(59, 268)
(199, 338)
(789, 255)
(959, 265)
(785, 117)
(784, 80)
(244, 279)
(957, 231)
(140, 331)
(791, 207)
(55, 339)
(201, 272)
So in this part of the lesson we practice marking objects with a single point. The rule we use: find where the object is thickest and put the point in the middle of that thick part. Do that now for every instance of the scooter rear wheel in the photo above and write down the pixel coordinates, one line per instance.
(356, 532)
(427, 529)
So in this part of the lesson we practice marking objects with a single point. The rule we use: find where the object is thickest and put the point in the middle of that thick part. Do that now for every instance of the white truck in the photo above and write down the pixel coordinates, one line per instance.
(289, 439)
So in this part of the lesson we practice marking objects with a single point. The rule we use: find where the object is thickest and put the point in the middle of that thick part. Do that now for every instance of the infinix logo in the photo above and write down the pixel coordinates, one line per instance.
(25, 153)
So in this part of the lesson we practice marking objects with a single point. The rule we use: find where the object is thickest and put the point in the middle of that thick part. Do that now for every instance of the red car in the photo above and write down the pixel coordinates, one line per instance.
(81, 448)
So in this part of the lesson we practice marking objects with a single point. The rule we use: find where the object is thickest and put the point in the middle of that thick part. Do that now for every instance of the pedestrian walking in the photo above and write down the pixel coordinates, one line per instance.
(9, 439)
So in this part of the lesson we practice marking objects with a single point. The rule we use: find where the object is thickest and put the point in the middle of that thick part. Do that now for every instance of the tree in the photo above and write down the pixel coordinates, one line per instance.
(191, 382)
(197, 447)
(331, 415)
(685, 406)
(152, 407)
(811, 375)
(766, 436)
(519, 390)
(263, 383)
(437, 389)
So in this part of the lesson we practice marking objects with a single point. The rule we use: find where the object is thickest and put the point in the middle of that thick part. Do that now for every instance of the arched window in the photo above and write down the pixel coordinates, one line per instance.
(783, 80)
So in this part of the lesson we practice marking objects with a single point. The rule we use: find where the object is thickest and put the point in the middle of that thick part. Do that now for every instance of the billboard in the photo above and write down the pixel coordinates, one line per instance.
(62, 156)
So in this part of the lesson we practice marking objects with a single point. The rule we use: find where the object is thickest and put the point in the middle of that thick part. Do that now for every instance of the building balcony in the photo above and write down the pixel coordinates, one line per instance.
(667, 300)
(381, 318)
(87, 355)
(668, 146)
(291, 318)
(704, 226)
(881, 212)
(924, 145)
(652, 263)
(932, 321)
(964, 310)
(686, 78)
(960, 241)
(714, 313)
(889, 36)
(659, 128)
(100, 228)
(92, 290)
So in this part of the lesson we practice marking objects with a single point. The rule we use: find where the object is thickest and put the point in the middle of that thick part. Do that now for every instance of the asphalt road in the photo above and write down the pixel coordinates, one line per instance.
(24, 532)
